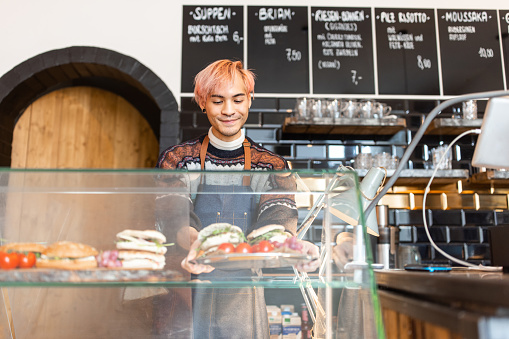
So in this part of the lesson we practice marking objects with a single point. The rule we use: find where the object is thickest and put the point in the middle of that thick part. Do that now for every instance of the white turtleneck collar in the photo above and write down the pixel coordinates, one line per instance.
(226, 145)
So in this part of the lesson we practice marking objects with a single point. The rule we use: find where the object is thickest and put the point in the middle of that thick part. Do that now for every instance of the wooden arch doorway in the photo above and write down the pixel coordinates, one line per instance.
(83, 127)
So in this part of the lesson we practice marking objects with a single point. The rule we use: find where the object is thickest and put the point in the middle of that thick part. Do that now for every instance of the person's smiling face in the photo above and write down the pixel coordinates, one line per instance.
(227, 109)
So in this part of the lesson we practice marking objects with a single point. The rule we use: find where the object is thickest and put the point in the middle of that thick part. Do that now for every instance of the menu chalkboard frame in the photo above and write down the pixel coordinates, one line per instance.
(342, 42)
(279, 65)
(407, 37)
(464, 69)
(209, 33)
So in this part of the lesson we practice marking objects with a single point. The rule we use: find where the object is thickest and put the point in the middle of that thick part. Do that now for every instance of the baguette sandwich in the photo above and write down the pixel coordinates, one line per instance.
(23, 247)
(68, 255)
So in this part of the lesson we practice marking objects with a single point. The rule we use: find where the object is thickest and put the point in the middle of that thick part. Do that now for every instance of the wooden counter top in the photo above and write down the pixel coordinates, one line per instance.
(463, 285)
(459, 304)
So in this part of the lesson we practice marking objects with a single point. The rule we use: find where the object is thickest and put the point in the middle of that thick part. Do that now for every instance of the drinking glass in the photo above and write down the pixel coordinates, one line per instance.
(367, 108)
(321, 111)
(350, 108)
(408, 254)
(303, 109)
(470, 109)
(383, 110)
(436, 155)
(336, 106)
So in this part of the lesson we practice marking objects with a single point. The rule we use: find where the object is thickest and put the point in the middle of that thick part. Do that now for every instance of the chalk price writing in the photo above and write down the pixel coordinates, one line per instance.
(293, 55)
(486, 53)
(355, 77)
(237, 38)
(423, 63)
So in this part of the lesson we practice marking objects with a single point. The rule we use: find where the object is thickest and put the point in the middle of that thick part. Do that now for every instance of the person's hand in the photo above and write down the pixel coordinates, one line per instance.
(189, 264)
(186, 236)
(310, 249)
(342, 253)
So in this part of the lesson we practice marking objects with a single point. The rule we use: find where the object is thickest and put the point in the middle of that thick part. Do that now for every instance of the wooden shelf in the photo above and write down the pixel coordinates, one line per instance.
(490, 176)
(447, 126)
(422, 176)
(346, 126)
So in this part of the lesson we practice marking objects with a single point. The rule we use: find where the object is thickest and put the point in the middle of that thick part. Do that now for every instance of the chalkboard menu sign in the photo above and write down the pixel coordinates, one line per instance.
(342, 48)
(504, 25)
(407, 56)
(209, 33)
(409, 51)
(278, 48)
(470, 51)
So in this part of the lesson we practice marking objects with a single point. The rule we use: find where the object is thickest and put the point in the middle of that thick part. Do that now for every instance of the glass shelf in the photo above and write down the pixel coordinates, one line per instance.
(449, 126)
(156, 278)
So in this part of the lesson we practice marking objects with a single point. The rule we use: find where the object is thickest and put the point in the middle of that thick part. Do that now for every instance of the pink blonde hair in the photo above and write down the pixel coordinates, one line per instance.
(218, 73)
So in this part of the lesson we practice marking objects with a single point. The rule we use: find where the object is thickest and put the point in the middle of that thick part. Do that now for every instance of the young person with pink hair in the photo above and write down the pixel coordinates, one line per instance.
(224, 92)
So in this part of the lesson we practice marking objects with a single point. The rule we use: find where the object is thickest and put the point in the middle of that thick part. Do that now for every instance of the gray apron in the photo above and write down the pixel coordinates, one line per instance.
(228, 312)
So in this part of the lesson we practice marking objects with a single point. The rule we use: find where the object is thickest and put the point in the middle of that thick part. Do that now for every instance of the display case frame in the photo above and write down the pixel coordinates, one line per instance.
(92, 206)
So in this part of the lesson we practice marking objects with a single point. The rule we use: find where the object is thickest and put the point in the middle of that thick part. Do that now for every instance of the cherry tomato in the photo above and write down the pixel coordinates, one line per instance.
(2, 255)
(26, 260)
(255, 248)
(243, 247)
(9, 261)
(265, 246)
(226, 247)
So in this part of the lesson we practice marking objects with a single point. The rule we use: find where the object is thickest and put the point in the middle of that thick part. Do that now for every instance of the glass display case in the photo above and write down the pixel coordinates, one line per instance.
(317, 208)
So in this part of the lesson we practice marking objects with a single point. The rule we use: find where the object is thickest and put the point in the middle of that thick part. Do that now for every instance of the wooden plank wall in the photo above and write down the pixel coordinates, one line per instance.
(77, 127)
(83, 127)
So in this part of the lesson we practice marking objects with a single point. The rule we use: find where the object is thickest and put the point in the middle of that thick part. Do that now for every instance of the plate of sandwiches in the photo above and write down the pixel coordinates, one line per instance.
(224, 246)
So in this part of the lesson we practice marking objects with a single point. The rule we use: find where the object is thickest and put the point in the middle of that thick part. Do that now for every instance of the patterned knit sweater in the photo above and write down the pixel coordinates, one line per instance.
(277, 208)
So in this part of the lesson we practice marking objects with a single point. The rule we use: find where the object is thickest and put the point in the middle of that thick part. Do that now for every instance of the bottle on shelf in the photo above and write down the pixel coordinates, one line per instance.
(306, 324)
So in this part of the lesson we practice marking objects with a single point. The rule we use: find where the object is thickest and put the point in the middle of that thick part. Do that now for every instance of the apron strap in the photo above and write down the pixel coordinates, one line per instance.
(246, 180)
(203, 151)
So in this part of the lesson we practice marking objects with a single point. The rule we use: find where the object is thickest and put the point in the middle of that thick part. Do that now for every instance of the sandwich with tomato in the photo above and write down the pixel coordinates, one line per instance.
(20, 254)
(275, 238)
(68, 255)
(22, 247)
(272, 233)
(214, 235)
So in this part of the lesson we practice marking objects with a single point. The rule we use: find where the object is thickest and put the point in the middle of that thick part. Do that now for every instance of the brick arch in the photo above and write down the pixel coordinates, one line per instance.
(86, 66)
